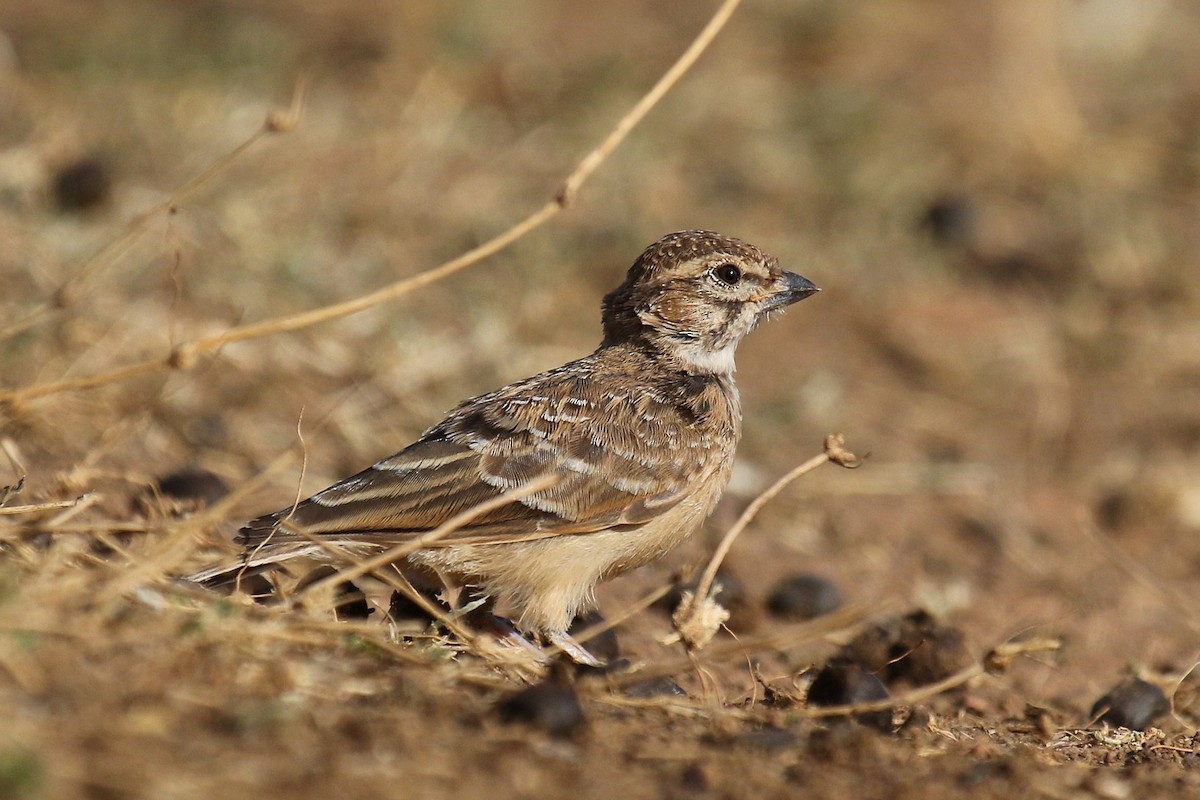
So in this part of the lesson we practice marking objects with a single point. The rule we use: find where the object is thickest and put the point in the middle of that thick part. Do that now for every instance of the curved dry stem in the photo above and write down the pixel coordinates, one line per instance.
(699, 616)
(710, 572)
(834, 451)
(185, 355)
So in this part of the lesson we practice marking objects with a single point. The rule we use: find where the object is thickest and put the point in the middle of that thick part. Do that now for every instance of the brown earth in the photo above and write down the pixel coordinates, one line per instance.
(999, 200)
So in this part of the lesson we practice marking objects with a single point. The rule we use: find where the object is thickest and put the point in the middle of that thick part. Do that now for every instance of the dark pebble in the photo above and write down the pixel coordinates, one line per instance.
(402, 608)
(843, 683)
(82, 185)
(198, 485)
(914, 649)
(1114, 510)
(695, 777)
(937, 654)
(949, 219)
(552, 707)
(1133, 704)
(803, 597)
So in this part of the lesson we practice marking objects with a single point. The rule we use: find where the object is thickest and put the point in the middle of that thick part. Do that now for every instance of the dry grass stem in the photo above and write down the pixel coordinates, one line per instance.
(185, 356)
(840, 623)
(1000, 655)
(698, 615)
(33, 508)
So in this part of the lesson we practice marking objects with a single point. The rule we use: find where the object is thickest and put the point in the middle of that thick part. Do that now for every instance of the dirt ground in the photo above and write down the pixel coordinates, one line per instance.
(998, 198)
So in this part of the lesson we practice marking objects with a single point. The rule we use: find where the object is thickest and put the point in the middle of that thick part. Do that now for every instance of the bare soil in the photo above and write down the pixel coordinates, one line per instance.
(998, 199)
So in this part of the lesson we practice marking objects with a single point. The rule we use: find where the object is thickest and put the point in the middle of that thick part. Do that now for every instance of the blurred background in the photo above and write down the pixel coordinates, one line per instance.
(999, 200)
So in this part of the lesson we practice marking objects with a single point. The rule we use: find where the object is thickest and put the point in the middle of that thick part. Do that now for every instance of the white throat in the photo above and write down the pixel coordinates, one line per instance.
(711, 362)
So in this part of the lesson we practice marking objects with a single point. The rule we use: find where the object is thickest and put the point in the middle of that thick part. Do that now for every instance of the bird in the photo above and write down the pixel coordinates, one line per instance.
(611, 460)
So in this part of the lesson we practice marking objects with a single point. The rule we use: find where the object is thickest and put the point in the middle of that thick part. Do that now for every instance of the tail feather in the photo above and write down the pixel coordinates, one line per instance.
(227, 574)
(256, 531)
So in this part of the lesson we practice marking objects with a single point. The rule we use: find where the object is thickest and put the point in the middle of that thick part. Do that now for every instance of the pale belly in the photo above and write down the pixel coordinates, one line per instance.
(544, 583)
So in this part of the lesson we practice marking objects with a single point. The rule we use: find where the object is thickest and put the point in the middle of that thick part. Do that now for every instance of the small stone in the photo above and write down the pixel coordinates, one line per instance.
(197, 485)
(402, 608)
(82, 185)
(696, 777)
(1133, 704)
(843, 683)
(950, 219)
(803, 597)
(552, 707)
(914, 649)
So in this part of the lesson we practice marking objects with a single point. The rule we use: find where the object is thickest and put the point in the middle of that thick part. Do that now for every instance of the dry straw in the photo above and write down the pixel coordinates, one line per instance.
(184, 356)
(175, 539)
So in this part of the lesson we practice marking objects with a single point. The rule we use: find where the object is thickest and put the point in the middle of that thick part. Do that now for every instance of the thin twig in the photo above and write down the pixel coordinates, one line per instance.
(1003, 653)
(184, 356)
(841, 621)
(833, 452)
(33, 508)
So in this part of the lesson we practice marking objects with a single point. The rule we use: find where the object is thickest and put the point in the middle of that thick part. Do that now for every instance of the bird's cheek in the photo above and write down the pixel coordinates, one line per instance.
(669, 313)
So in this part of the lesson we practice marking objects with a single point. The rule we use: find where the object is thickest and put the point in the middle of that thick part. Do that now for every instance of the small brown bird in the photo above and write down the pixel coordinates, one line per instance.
(636, 440)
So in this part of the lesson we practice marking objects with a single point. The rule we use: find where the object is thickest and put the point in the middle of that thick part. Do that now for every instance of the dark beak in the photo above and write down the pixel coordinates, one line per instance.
(794, 289)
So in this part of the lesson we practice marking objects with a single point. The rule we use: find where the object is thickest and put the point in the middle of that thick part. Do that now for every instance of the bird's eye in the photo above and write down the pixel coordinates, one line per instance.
(728, 274)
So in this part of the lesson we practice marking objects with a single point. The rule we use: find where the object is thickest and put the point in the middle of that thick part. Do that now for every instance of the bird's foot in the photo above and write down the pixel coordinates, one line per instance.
(483, 620)
(574, 650)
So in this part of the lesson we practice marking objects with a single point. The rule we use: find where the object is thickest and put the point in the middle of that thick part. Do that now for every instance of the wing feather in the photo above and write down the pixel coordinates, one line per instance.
(613, 462)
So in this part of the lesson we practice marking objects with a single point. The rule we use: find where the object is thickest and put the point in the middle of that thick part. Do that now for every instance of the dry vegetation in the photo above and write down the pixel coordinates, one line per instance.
(998, 198)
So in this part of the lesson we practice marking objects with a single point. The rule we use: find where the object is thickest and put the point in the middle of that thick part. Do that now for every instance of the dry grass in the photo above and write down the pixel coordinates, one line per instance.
(998, 199)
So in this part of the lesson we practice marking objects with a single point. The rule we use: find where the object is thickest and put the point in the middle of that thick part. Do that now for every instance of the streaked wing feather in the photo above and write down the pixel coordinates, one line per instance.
(604, 475)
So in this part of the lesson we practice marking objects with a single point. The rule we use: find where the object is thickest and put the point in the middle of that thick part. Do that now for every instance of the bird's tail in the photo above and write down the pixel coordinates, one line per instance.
(227, 574)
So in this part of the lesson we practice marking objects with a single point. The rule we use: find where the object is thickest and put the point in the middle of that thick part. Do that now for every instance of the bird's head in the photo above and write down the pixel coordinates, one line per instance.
(693, 295)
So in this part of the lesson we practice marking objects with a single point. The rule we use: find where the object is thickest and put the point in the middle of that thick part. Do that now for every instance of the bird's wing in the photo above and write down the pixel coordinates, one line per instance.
(612, 461)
